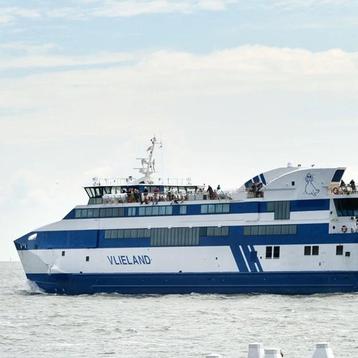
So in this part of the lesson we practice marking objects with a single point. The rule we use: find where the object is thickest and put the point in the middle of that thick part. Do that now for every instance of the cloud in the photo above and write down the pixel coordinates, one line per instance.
(296, 4)
(245, 61)
(86, 9)
(223, 116)
(114, 8)
(9, 14)
(36, 61)
(89, 9)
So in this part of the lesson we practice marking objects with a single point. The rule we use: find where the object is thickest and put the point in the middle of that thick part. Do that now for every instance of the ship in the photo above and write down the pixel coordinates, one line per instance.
(290, 230)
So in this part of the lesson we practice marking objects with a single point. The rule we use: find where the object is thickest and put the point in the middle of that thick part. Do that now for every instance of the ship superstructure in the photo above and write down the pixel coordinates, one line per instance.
(291, 230)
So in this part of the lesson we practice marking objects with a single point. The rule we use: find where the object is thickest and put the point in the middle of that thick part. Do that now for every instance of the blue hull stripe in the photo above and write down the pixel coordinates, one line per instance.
(183, 283)
(248, 257)
(239, 259)
(255, 258)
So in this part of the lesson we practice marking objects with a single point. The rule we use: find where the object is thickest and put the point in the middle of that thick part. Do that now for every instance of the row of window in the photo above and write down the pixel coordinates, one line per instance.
(311, 250)
(127, 234)
(99, 213)
(215, 231)
(154, 210)
(314, 251)
(272, 252)
(270, 230)
(179, 236)
(281, 209)
(215, 209)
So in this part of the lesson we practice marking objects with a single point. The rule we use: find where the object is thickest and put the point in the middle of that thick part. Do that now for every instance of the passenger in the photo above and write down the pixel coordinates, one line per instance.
(156, 195)
(132, 196)
(353, 185)
(137, 196)
(211, 192)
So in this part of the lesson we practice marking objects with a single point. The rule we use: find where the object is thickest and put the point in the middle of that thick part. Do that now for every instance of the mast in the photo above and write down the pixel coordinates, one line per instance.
(148, 163)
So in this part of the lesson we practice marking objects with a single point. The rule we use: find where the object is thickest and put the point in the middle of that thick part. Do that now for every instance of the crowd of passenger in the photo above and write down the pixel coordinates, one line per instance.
(134, 195)
(347, 188)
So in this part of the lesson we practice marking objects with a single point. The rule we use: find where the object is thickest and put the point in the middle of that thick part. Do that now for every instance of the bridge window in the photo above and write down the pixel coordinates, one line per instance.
(182, 209)
(281, 209)
(270, 230)
(346, 207)
(307, 250)
(215, 209)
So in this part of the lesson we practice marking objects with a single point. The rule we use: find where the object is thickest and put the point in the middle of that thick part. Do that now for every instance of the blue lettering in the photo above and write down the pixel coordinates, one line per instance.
(129, 260)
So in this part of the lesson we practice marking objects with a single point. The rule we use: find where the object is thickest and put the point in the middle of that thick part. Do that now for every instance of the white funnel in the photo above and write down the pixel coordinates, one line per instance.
(323, 351)
(256, 351)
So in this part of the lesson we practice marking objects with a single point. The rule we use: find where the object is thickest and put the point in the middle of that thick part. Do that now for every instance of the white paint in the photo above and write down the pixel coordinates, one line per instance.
(272, 353)
(163, 259)
(243, 255)
(256, 350)
(292, 258)
(323, 350)
(311, 217)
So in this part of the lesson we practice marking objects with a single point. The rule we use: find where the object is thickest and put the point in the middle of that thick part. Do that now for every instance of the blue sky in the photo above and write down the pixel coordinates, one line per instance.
(232, 88)
(83, 27)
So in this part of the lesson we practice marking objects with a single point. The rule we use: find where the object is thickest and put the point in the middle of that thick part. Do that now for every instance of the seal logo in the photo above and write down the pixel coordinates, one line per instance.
(310, 188)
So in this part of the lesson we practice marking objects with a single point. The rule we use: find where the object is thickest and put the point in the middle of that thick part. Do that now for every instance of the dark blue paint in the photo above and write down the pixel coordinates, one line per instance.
(184, 283)
(238, 208)
(312, 234)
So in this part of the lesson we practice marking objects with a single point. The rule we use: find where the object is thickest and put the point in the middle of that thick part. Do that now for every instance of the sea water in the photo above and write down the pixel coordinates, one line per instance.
(110, 325)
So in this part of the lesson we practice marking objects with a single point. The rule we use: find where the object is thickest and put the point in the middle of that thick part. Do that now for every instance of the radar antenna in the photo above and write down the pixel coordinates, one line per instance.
(148, 163)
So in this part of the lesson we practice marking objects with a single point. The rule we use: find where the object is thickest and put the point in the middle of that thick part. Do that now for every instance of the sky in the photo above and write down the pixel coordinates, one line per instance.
(231, 87)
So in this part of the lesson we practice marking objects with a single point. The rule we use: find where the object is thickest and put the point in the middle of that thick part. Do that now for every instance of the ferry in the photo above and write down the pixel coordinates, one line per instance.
(290, 230)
